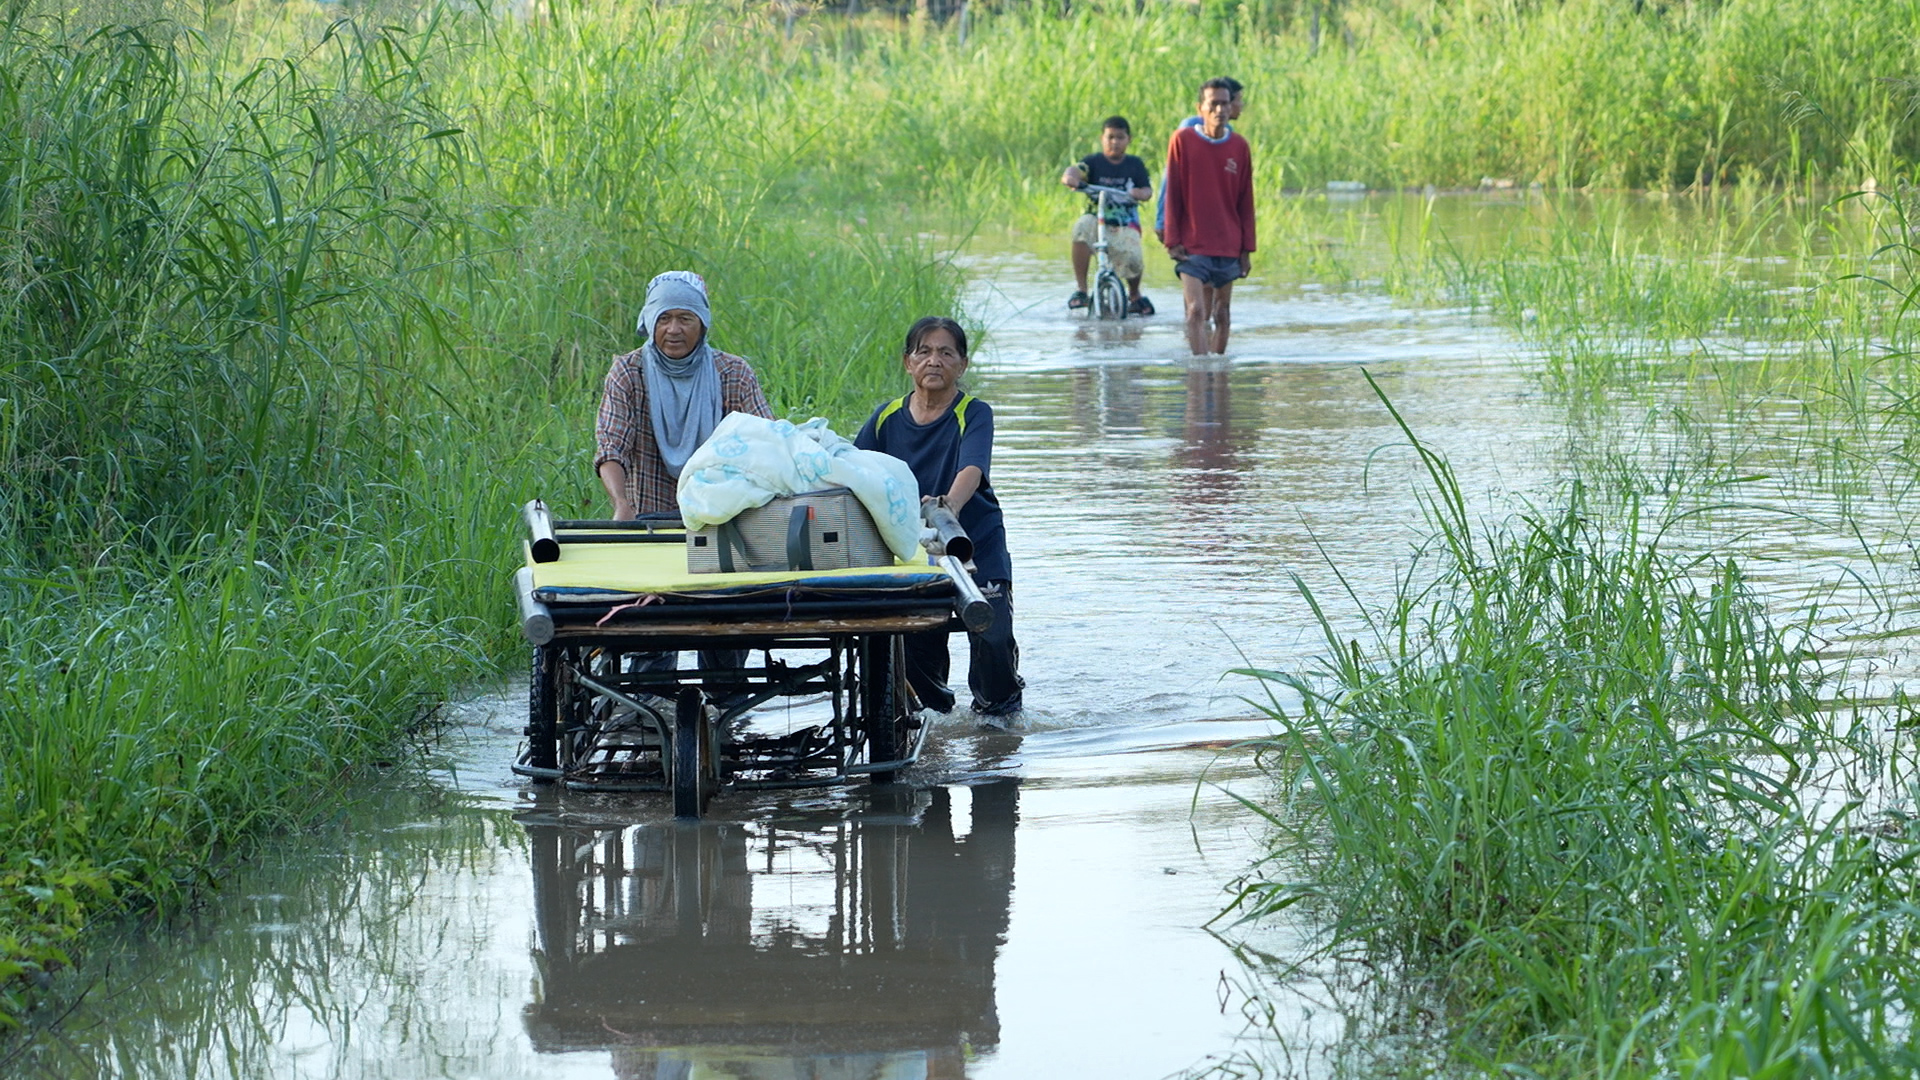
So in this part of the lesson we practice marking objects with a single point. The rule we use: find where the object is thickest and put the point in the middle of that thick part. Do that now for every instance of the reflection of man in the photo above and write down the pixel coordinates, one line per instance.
(1210, 461)
(1208, 193)
(1208, 417)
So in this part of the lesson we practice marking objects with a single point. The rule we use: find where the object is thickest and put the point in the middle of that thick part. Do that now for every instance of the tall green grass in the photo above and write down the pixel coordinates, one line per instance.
(1587, 92)
(1593, 813)
(299, 308)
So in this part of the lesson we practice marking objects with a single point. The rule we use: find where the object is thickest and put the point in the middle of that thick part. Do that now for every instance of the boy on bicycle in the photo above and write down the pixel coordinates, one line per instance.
(1115, 168)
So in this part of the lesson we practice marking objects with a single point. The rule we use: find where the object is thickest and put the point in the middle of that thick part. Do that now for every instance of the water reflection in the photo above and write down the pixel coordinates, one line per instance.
(1101, 335)
(1105, 400)
(367, 950)
(1211, 469)
(857, 947)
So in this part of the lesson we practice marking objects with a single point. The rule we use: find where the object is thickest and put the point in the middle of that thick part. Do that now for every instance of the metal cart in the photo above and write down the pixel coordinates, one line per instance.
(607, 605)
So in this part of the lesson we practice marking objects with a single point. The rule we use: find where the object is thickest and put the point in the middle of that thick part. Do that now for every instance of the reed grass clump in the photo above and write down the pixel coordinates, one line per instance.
(1589, 805)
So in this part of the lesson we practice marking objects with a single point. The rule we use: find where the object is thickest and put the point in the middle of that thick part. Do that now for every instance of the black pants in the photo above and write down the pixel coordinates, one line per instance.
(993, 671)
(670, 661)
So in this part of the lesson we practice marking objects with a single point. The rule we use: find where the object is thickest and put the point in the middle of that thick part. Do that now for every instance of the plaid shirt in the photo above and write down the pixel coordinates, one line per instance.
(624, 432)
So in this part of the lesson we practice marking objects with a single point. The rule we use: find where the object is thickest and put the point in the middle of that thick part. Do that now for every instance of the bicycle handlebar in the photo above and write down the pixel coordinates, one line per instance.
(1115, 196)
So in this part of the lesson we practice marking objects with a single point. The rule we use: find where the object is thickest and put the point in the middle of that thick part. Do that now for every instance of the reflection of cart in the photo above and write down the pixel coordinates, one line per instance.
(860, 947)
(602, 600)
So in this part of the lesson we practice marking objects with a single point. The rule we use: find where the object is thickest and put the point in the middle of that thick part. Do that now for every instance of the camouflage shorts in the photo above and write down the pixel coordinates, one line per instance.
(1123, 246)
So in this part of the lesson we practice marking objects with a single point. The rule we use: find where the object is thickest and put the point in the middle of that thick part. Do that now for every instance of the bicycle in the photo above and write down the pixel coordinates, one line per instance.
(1109, 299)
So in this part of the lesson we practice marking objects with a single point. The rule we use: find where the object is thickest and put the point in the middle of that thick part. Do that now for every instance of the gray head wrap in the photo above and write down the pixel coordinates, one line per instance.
(683, 396)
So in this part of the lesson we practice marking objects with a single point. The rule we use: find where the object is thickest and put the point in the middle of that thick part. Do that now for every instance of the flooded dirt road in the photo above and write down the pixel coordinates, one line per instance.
(1034, 905)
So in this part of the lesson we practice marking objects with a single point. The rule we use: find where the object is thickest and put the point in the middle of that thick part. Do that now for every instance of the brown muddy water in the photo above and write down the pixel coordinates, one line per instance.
(1033, 903)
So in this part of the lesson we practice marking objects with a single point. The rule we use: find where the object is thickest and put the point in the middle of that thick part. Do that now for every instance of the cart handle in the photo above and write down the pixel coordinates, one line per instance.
(952, 549)
(536, 619)
(974, 611)
(952, 539)
(546, 548)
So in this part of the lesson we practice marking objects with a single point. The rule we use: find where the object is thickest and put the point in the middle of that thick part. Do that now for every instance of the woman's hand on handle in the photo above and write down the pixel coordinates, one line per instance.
(964, 485)
(613, 476)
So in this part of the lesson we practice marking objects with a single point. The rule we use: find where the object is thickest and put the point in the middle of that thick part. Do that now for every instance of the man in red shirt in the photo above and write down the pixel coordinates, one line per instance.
(1208, 193)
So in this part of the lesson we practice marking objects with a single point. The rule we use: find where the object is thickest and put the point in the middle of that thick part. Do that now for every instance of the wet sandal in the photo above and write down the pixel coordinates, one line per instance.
(1142, 306)
(1078, 300)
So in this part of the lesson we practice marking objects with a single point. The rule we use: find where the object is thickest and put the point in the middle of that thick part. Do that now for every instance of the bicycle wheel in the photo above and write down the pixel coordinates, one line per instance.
(1109, 296)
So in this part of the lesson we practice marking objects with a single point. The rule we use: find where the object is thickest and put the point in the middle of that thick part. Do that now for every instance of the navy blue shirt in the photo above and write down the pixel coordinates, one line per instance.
(1130, 173)
(936, 452)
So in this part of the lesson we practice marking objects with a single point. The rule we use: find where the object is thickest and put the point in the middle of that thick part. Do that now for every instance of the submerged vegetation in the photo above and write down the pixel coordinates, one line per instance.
(1595, 813)
(302, 301)
(1583, 800)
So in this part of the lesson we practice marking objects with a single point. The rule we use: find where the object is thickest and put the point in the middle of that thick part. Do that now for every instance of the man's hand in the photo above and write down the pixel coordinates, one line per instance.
(1178, 251)
(1246, 263)
(1072, 177)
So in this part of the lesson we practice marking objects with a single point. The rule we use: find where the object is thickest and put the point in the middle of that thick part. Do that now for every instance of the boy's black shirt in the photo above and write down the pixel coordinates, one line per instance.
(1130, 173)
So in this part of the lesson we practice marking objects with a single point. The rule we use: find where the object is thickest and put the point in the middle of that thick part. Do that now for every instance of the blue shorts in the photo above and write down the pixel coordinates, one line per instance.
(1215, 270)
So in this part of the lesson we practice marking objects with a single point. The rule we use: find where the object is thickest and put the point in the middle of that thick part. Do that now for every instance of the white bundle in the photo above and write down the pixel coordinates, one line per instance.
(749, 459)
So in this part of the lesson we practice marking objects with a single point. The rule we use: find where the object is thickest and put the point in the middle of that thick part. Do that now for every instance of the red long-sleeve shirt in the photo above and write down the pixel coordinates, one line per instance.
(1208, 193)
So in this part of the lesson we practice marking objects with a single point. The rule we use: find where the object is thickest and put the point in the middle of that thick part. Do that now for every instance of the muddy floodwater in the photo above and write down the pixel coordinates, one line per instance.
(1033, 903)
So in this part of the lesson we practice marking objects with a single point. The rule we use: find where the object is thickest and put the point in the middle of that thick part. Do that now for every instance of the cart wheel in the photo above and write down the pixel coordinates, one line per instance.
(542, 710)
(573, 708)
(693, 764)
(884, 700)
